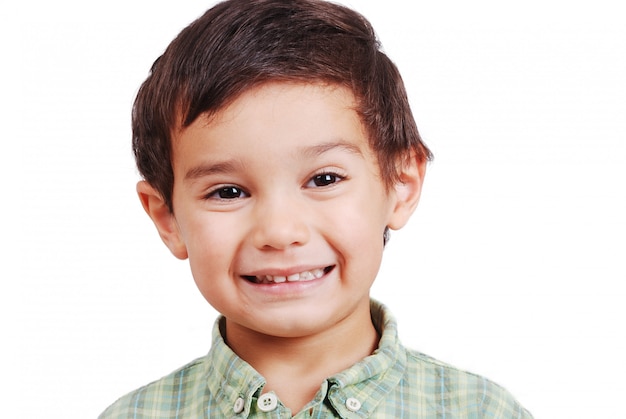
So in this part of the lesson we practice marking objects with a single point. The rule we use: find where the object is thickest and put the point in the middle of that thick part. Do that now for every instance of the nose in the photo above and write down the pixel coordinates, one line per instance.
(280, 223)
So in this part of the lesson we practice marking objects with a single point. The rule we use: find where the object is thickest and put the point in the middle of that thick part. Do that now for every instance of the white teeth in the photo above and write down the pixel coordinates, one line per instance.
(301, 276)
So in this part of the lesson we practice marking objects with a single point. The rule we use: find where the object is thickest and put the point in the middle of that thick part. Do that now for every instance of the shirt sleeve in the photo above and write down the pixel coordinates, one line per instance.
(496, 402)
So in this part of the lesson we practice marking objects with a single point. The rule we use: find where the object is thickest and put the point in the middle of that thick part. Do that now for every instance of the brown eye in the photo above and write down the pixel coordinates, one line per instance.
(325, 179)
(227, 192)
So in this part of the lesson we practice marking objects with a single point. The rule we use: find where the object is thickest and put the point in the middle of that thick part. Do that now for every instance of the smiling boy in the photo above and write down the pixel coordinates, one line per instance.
(277, 148)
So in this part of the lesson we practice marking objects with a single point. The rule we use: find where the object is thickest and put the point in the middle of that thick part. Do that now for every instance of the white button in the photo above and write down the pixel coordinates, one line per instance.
(267, 402)
(238, 406)
(353, 404)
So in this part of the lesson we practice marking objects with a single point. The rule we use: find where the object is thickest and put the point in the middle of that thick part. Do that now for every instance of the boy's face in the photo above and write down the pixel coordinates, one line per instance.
(280, 208)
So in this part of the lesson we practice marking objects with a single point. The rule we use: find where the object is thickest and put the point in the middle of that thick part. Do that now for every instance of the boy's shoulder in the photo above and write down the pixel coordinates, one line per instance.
(428, 387)
(458, 390)
(165, 394)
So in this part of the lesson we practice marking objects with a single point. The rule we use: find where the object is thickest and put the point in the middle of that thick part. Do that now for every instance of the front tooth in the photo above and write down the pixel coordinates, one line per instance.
(293, 278)
(302, 276)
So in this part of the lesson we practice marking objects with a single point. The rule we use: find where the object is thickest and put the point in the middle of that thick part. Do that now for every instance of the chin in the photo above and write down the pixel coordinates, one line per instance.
(291, 325)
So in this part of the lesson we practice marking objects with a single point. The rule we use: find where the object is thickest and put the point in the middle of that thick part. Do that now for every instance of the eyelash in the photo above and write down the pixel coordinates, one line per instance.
(232, 192)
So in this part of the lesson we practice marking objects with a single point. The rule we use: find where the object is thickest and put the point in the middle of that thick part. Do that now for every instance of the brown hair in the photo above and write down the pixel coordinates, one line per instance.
(239, 44)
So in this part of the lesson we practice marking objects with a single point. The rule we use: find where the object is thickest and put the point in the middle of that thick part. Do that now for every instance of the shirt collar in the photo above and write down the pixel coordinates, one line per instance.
(230, 378)
(369, 380)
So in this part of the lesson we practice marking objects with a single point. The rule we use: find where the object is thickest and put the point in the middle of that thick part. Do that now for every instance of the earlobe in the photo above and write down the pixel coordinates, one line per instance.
(163, 219)
(407, 191)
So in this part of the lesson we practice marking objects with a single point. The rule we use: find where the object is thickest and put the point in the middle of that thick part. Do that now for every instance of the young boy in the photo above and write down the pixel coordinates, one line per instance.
(277, 149)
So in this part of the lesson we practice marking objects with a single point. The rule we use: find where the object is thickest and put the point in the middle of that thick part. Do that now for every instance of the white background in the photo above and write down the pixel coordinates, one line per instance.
(511, 267)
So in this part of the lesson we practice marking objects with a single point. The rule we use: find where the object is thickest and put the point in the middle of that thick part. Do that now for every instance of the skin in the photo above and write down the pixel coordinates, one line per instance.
(283, 181)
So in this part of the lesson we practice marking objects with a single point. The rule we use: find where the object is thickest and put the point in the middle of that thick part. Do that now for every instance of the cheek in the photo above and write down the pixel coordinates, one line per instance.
(357, 234)
(363, 219)
(210, 263)
(210, 243)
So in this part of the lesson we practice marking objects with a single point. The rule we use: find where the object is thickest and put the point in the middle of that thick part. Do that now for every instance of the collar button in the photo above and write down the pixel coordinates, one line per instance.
(353, 404)
(267, 402)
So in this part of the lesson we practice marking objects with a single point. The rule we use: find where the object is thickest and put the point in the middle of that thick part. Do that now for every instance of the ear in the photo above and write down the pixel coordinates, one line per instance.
(163, 219)
(407, 190)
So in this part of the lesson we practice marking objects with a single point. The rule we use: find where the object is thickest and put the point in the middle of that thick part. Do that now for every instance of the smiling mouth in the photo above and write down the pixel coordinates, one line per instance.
(297, 277)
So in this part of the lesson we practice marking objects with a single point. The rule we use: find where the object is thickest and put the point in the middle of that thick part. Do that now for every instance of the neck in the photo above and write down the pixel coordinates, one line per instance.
(295, 367)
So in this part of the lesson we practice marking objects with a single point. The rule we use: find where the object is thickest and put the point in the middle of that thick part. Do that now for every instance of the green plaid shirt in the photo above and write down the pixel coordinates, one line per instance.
(392, 383)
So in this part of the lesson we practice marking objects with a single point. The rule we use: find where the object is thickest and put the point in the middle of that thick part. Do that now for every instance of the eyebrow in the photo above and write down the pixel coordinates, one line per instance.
(317, 150)
(230, 166)
(211, 169)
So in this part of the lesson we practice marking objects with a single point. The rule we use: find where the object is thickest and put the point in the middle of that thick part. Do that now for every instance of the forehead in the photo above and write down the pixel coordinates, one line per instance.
(299, 96)
(270, 112)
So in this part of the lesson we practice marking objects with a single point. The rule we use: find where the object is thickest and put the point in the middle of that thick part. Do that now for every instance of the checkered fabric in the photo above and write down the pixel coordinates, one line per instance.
(391, 383)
